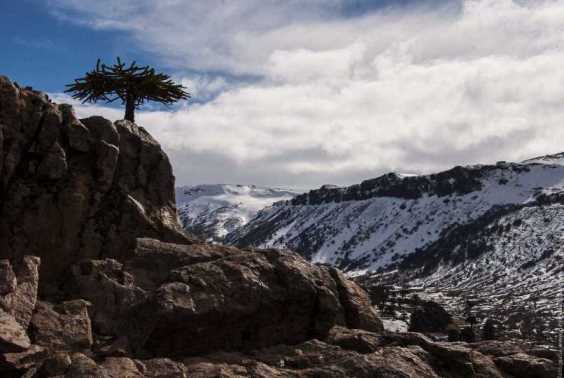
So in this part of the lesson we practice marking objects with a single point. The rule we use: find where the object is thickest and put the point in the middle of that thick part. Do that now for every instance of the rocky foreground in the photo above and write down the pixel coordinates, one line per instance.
(97, 279)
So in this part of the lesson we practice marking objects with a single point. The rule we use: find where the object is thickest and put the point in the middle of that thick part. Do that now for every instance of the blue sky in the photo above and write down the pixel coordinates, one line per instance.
(313, 92)
(38, 42)
(44, 52)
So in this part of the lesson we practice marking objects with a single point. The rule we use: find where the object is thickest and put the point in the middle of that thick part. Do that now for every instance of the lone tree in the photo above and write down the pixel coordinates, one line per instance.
(132, 84)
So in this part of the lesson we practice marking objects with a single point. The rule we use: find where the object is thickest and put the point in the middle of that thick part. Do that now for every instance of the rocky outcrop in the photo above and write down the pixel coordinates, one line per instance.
(525, 365)
(100, 185)
(227, 299)
(364, 355)
(211, 311)
(232, 299)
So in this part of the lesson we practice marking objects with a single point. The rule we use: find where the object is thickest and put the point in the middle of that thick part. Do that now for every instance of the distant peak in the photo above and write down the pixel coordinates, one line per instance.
(557, 158)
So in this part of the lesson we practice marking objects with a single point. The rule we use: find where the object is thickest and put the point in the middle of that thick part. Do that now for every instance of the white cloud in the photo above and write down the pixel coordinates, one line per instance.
(343, 99)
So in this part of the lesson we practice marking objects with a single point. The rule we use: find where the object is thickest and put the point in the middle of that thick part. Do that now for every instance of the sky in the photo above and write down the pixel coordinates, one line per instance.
(310, 92)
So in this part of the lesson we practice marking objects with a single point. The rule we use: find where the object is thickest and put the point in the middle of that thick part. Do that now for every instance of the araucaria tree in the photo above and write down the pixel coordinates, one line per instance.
(133, 85)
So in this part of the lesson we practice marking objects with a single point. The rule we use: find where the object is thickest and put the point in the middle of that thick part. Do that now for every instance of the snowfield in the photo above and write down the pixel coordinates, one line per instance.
(212, 211)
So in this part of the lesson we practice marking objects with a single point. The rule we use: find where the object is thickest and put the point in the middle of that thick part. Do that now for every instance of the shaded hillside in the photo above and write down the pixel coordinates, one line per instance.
(374, 226)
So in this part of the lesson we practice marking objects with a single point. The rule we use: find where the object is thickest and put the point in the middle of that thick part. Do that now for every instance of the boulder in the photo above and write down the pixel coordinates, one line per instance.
(357, 353)
(54, 166)
(232, 299)
(57, 364)
(355, 340)
(429, 317)
(498, 348)
(112, 347)
(83, 366)
(162, 368)
(117, 367)
(543, 352)
(63, 327)
(525, 365)
(241, 300)
(448, 358)
(102, 130)
(358, 311)
(109, 289)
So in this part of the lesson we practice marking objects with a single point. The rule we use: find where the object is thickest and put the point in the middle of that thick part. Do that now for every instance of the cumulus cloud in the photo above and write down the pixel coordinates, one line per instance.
(337, 98)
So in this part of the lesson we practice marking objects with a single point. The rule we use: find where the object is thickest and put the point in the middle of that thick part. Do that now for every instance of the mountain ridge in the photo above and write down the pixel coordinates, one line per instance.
(476, 188)
(214, 210)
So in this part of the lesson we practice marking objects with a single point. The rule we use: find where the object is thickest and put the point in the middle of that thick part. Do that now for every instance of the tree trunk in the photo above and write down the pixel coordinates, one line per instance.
(130, 109)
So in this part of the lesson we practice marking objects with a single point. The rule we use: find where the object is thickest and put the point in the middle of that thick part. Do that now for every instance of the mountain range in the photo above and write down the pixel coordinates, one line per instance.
(490, 234)
(213, 211)
(383, 223)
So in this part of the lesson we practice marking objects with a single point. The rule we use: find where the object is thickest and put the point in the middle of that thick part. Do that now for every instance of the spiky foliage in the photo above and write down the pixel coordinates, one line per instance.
(133, 85)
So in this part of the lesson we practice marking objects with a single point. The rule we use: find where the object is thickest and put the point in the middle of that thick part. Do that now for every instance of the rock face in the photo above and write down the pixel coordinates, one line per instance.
(211, 311)
(232, 299)
(13, 337)
(100, 185)
(124, 293)
(19, 292)
(64, 327)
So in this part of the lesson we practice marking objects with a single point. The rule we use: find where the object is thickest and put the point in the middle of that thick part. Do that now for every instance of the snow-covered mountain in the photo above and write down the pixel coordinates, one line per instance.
(212, 211)
(494, 233)
(374, 226)
(548, 159)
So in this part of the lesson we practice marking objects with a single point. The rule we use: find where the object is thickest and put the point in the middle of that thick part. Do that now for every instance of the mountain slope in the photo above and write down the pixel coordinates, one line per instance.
(507, 263)
(377, 224)
(212, 211)
(548, 159)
